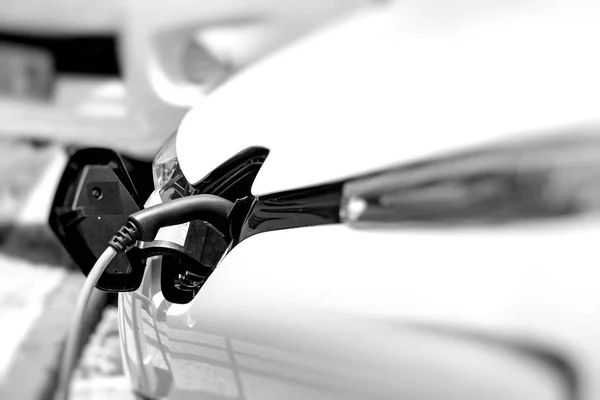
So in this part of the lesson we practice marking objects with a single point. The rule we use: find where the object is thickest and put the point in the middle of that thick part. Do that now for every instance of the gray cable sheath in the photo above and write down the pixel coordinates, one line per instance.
(73, 342)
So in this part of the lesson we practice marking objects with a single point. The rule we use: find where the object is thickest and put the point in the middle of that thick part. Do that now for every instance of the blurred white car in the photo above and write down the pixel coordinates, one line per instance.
(446, 252)
(122, 74)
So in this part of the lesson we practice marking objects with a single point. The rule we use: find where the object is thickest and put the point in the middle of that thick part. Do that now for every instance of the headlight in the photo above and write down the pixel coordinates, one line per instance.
(168, 177)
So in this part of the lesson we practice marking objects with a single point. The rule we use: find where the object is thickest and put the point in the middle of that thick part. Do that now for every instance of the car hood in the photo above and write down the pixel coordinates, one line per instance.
(398, 81)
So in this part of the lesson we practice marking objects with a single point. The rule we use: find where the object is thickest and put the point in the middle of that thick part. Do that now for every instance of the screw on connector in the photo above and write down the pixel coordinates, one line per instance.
(125, 237)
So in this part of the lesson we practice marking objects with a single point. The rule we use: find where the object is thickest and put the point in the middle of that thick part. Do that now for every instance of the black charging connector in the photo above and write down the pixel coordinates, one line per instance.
(145, 224)
(208, 238)
(206, 207)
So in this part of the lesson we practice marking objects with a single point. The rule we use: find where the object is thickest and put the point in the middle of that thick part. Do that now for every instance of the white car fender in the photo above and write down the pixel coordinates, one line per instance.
(345, 313)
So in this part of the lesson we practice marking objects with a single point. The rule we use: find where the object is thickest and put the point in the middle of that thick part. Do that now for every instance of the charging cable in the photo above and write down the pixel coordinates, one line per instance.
(74, 336)
(143, 226)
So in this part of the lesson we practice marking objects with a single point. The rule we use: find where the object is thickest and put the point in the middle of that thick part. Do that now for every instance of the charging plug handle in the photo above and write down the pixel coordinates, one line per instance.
(205, 207)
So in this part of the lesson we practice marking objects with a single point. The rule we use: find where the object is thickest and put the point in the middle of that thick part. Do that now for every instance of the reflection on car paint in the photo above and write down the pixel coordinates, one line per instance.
(178, 362)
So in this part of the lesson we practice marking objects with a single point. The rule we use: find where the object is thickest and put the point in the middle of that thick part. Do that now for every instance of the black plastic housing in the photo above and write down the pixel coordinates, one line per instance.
(93, 200)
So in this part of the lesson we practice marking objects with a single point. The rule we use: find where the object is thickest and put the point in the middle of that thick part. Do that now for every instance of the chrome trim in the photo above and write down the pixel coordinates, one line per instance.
(513, 181)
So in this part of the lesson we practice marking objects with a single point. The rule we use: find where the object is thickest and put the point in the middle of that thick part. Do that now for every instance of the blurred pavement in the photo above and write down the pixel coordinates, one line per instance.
(39, 286)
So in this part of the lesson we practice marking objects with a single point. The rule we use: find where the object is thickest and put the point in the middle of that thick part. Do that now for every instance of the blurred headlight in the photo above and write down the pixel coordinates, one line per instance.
(168, 177)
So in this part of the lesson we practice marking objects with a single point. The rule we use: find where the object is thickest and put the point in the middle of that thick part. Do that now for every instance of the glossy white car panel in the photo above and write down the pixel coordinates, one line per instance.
(400, 82)
(330, 312)
(348, 315)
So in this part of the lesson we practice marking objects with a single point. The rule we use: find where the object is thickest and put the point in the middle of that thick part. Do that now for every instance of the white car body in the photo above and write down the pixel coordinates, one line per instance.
(331, 312)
